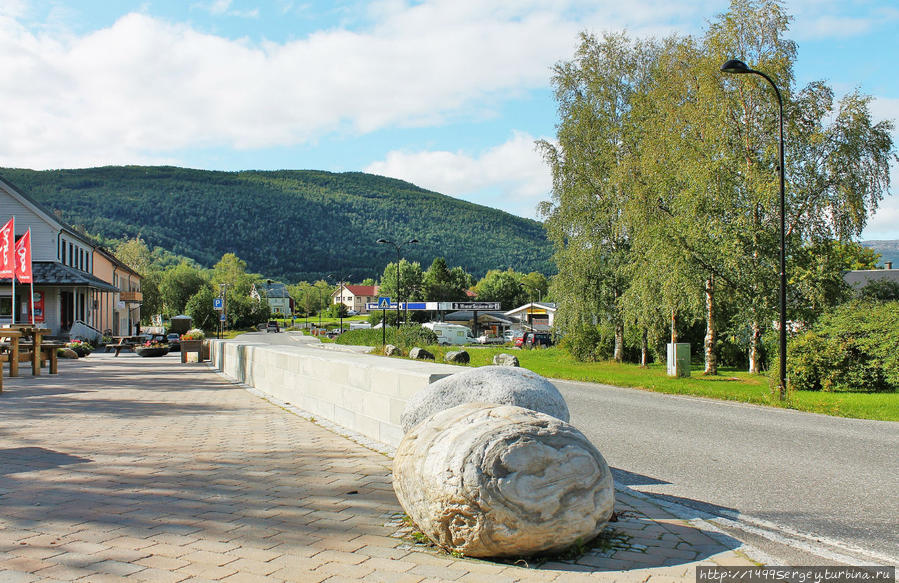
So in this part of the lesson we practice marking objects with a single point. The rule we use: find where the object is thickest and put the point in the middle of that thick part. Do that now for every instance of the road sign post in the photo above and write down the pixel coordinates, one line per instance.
(383, 303)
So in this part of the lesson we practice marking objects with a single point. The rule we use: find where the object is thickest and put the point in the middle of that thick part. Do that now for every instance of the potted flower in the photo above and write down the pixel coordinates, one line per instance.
(152, 348)
(80, 347)
(193, 341)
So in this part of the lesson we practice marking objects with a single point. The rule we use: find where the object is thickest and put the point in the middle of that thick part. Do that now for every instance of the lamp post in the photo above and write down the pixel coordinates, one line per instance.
(738, 67)
(397, 247)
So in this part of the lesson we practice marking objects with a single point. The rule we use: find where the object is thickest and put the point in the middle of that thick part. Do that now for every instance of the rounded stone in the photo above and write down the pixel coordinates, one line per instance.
(391, 350)
(457, 356)
(499, 480)
(503, 359)
(420, 354)
(502, 385)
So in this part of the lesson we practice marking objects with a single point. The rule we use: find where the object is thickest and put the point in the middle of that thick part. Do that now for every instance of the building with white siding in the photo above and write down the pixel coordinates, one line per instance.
(80, 289)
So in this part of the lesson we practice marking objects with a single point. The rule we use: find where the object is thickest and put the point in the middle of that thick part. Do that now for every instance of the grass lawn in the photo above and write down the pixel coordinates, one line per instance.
(730, 384)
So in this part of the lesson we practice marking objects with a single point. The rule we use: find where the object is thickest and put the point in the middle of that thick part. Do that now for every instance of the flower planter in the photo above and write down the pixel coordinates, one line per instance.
(151, 350)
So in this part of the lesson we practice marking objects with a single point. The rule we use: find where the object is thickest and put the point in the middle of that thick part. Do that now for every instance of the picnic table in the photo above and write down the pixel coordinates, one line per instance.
(120, 343)
(24, 343)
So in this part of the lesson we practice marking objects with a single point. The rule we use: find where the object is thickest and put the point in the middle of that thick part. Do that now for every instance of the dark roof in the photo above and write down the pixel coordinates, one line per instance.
(274, 289)
(51, 273)
(861, 277)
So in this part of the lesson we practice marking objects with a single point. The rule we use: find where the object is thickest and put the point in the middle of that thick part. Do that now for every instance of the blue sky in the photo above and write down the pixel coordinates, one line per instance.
(448, 94)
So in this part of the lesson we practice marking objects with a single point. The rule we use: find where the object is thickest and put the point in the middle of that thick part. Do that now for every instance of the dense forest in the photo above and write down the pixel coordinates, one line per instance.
(289, 224)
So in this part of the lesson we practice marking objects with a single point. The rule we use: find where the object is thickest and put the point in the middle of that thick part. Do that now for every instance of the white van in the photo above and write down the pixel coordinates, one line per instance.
(450, 333)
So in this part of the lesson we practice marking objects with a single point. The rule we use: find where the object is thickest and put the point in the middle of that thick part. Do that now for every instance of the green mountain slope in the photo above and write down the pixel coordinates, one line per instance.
(287, 224)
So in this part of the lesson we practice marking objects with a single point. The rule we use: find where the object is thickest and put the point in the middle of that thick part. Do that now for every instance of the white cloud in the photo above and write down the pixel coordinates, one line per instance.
(144, 88)
(512, 176)
(885, 223)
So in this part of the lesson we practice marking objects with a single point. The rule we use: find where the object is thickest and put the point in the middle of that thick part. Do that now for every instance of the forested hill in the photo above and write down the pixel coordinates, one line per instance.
(291, 225)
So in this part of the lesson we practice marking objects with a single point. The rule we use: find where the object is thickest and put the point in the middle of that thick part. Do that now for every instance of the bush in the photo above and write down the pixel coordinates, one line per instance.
(854, 348)
(414, 335)
(81, 347)
(406, 337)
(584, 343)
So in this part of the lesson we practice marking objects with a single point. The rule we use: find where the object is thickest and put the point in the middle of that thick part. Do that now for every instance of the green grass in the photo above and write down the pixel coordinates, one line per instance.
(729, 384)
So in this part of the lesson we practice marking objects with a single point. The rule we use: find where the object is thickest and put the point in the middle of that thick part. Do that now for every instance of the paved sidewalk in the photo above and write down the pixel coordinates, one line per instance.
(144, 469)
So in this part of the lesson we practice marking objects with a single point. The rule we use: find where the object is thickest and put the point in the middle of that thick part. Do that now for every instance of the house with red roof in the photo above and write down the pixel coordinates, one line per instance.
(355, 297)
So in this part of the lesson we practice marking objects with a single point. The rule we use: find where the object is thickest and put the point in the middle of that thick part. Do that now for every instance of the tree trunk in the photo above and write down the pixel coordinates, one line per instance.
(711, 336)
(755, 356)
(619, 342)
(644, 349)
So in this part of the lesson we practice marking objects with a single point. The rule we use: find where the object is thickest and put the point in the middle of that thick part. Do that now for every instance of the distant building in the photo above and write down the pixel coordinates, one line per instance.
(493, 323)
(859, 278)
(275, 293)
(535, 315)
(355, 297)
(80, 288)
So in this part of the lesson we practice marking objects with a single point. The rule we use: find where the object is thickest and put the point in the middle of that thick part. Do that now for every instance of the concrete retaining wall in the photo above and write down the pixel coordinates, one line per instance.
(364, 393)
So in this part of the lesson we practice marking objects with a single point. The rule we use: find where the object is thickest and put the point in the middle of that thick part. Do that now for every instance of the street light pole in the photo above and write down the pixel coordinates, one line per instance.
(397, 247)
(738, 67)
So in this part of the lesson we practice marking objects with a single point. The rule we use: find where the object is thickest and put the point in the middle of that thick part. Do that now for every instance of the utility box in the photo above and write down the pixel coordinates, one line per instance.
(679, 359)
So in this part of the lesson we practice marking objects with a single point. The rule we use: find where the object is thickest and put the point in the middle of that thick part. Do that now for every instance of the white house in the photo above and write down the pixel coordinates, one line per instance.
(80, 289)
(276, 294)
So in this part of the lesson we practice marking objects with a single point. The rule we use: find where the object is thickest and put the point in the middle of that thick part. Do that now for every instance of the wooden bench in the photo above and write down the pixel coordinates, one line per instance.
(50, 355)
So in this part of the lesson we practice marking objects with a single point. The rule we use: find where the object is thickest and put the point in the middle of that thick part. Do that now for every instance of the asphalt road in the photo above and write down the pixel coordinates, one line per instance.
(823, 476)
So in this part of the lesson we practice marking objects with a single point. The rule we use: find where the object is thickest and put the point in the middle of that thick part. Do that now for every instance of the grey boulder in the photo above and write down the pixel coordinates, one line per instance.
(457, 357)
(503, 359)
(499, 480)
(487, 384)
(420, 354)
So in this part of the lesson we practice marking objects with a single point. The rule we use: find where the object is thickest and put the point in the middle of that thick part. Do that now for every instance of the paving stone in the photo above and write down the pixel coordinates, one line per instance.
(191, 478)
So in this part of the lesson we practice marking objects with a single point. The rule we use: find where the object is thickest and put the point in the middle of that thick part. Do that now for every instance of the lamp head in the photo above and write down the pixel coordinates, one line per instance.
(412, 241)
(382, 241)
(736, 67)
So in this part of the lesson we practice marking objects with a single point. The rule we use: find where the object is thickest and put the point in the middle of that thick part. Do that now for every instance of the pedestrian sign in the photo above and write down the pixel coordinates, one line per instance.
(222, 318)
(383, 303)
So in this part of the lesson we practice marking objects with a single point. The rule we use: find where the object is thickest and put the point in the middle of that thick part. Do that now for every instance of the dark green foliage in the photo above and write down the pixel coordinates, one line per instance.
(881, 290)
(414, 335)
(406, 337)
(854, 348)
(584, 343)
(290, 225)
(337, 311)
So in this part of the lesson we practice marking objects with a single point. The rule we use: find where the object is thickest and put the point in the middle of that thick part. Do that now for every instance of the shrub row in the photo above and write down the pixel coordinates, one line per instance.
(854, 348)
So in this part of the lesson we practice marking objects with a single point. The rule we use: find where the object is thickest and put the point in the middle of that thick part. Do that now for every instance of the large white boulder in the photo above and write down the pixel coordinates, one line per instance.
(502, 385)
(499, 480)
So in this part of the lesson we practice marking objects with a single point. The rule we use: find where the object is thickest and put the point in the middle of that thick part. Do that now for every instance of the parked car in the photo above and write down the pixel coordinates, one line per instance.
(352, 313)
(272, 327)
(534, 340)
(174, 342)
(490, 339)
(509, 335)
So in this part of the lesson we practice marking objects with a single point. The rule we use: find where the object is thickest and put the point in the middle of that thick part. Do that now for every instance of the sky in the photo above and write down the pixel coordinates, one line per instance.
(447, 94)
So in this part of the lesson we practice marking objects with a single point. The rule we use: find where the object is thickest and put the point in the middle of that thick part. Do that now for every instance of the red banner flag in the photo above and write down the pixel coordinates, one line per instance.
(7, 244)
(23, 258)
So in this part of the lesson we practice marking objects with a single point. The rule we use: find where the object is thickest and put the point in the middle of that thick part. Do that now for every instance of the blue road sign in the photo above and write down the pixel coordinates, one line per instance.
(222, 318)
(383, 303)
(218, 304)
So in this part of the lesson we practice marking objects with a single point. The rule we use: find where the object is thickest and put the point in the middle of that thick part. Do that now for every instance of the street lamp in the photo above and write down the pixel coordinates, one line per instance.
(397, 247)
(738, 67)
